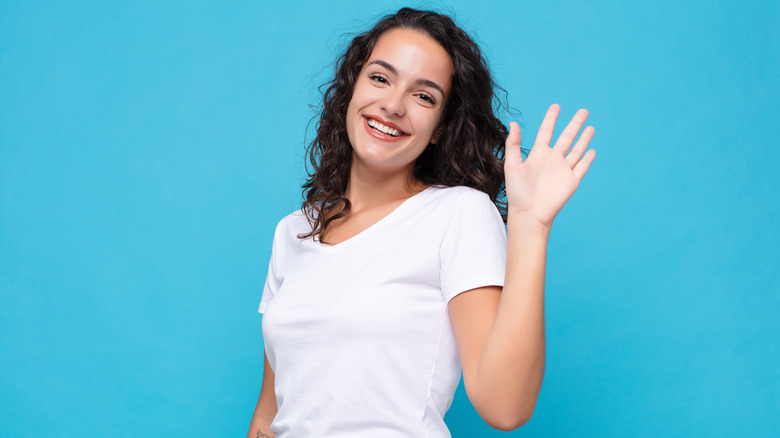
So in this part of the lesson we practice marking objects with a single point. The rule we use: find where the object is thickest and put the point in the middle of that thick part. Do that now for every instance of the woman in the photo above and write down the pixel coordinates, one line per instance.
(398, 269)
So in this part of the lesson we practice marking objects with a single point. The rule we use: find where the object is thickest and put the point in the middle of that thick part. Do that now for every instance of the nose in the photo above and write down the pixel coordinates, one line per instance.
(393, 103)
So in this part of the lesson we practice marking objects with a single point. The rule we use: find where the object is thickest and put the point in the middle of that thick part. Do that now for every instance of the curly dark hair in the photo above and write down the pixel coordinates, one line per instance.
(470, 148)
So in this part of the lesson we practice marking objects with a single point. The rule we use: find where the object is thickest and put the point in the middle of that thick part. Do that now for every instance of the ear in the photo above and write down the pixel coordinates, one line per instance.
(436, 135)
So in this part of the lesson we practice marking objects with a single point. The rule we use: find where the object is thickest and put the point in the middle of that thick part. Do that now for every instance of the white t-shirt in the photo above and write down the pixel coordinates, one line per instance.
(358, 334)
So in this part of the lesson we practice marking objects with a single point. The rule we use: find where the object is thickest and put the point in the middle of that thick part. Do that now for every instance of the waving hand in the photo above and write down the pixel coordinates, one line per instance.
(540, 186)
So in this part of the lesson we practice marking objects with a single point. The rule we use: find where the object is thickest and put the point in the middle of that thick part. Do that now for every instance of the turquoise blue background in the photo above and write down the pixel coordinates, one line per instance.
(147, 150)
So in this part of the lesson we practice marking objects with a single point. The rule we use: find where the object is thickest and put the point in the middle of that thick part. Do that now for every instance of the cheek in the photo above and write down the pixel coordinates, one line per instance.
(352, 110)
(361, 92)
(428, 123)
(351, 122)
(356, 103)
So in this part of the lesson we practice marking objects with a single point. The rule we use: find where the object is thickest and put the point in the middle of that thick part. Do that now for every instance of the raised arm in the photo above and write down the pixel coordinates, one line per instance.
(500, 333)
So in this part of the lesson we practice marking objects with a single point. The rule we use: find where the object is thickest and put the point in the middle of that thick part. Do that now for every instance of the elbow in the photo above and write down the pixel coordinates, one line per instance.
(509, 422)
(505, 410)
(508, 416)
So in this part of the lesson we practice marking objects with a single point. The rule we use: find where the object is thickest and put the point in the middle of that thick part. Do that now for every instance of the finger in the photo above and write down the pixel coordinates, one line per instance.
(579, 148)
(570, 132)
(544, 136)
(514, 137)
(582, 167)
(512, 150)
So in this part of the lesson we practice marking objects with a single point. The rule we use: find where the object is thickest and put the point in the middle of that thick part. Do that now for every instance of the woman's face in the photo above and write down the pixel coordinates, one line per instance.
(398, 101)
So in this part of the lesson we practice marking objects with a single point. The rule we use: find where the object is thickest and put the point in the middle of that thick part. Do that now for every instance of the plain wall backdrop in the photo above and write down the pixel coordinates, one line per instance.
(147, 150)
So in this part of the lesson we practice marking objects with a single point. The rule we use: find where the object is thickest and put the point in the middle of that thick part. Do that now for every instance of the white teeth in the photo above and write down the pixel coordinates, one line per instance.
(386, 129)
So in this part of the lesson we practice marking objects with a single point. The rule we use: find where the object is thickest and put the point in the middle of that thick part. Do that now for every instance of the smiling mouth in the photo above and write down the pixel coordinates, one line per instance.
(379, 127)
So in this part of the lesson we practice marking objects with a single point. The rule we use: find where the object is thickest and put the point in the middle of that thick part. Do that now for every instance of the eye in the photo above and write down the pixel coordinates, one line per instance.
(427, 98)
(378, 78)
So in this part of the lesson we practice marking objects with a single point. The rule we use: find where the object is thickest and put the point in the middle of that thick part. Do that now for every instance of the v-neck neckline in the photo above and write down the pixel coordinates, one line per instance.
(376, 225)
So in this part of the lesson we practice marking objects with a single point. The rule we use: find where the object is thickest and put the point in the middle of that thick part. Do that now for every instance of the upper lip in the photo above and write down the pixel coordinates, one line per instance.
(386, 123)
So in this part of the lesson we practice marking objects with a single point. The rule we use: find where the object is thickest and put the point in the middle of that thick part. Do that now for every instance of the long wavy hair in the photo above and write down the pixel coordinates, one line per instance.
(470, 148)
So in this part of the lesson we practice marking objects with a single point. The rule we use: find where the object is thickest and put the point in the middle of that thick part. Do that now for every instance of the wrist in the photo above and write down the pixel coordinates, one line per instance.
(527, 222)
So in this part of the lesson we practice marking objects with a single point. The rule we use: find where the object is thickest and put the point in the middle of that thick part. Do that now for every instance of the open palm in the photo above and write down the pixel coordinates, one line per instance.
(541, 185)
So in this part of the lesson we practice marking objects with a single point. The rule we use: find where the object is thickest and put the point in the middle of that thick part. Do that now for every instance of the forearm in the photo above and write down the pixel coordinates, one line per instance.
(266, 408)
(511, 366)
(261, 423)
(260, 432)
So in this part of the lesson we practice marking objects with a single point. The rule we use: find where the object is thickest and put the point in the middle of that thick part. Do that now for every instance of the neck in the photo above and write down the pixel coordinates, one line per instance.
(368, 188)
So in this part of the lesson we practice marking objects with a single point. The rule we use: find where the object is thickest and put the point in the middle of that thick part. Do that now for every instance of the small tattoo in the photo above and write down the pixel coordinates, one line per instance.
(260, 434)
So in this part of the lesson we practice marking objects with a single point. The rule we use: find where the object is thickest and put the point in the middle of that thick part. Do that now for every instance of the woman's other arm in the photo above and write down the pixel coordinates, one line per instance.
(500, 333)
(266, 406)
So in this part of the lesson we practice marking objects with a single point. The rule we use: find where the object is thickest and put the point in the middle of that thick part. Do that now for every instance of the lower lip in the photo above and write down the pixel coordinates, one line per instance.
(380, 135)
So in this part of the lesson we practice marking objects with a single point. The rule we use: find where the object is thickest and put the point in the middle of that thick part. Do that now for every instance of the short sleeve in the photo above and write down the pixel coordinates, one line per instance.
(272, 279)
(473, 249)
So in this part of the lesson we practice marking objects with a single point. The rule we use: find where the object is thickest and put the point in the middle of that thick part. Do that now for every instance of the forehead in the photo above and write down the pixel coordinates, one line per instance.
(414, 54)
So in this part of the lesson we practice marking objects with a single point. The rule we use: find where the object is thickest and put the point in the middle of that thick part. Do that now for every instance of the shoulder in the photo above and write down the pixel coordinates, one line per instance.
(456, 192)
(295, 219)
(291, 226)
(464, 208)
(461, 197)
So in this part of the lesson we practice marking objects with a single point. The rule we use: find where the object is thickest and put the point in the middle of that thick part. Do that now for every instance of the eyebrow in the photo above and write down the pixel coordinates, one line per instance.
(420, 81)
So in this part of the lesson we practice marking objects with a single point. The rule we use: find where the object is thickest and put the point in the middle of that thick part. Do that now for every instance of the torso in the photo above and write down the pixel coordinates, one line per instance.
(358, 333)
